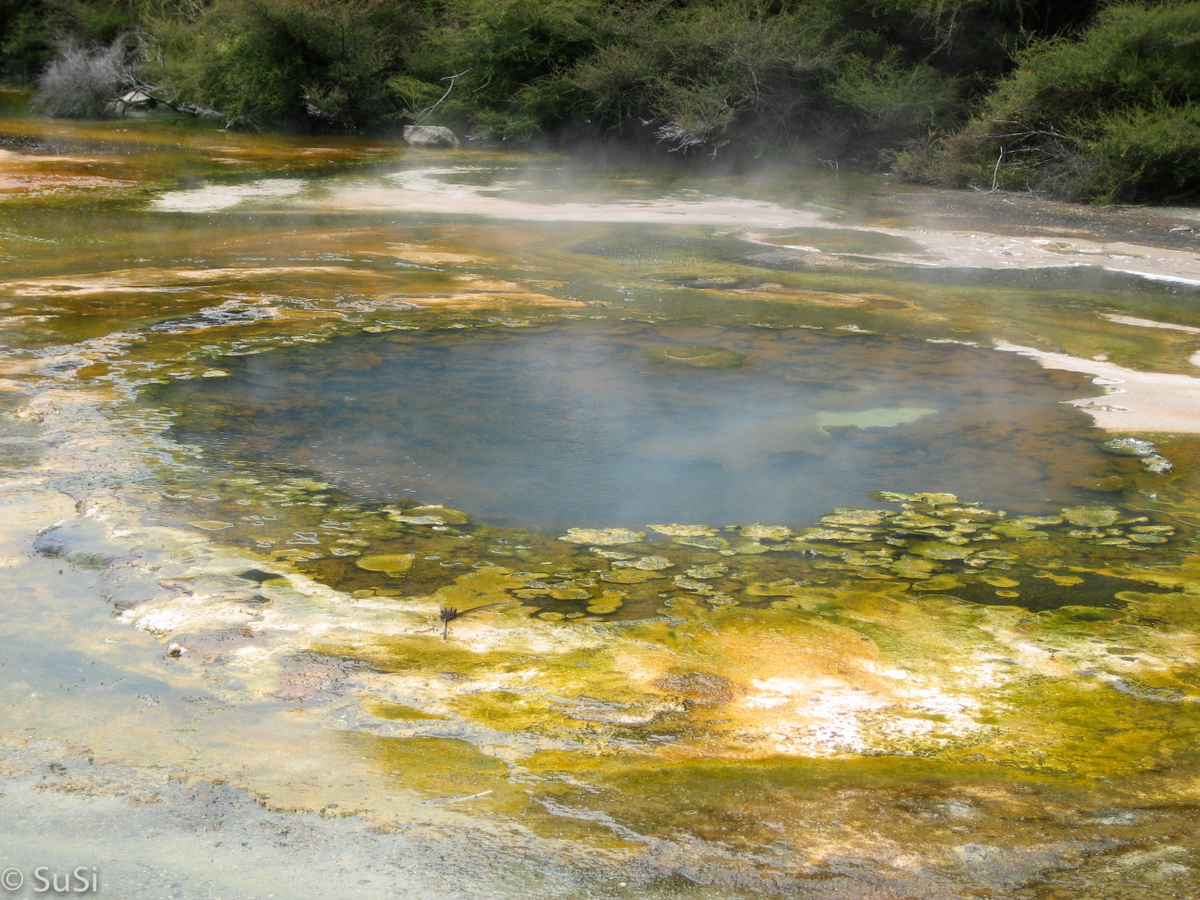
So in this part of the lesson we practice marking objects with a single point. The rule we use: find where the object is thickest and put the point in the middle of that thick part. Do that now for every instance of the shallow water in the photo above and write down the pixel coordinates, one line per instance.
(802, 585)
(621, 425)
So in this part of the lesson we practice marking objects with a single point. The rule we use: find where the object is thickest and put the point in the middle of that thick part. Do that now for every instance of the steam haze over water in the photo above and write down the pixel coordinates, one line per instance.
(627, 425)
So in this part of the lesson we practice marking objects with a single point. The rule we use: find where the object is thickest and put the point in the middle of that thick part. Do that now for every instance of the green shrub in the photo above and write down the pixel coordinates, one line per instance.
(704, 71)
(1109, 116)
(894, 98)
(1145, 151)
(1104, 111)
(324, 63)
(509, 61)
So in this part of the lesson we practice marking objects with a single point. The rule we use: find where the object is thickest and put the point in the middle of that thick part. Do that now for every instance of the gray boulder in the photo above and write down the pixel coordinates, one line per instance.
(429, 136)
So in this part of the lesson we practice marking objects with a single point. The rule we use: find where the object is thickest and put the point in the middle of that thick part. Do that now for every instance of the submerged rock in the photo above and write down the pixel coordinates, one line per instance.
(938, 583)
(1153, 461)
(630, 576)
(1128, 446)
(1091, 516)
(786, 588)
(1037, 520)
(840, 536)
(999, 581)
(704, 543)
(866, 517)
(83, 542)
(912, 567)
(430, 515)
(942, 551)
(765, 532)
(1158, 465)
(602, 537)
(933, 499)
(419, 520)
(751, 547)
(615, 555)
(1109, 484)
(210, 524)
(393, 564)
(1018, 531)
(646, 563)
(608, 602)
(685, 530)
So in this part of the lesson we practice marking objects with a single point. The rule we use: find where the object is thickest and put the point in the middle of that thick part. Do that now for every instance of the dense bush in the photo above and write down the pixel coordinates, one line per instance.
(704, 72)
(297, 62)
(1112, 116)
(506, 63)
(1089, 99)
(693, 73)
(698, 73)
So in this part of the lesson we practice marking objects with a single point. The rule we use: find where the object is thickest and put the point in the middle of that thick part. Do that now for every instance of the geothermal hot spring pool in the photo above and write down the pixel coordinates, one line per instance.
(628, 424)
(832, 537)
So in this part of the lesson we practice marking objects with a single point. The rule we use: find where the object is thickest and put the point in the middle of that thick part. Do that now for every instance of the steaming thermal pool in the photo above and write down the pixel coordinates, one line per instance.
(806, 588)
(626, 424)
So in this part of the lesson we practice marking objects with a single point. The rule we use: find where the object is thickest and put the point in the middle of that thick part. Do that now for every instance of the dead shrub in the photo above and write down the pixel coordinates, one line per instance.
(82, 81)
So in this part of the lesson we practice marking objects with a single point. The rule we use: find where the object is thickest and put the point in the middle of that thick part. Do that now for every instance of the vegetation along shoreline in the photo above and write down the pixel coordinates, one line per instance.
(1096, 101)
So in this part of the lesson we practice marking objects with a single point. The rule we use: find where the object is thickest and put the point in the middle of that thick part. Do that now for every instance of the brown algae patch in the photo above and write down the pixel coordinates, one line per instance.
(489, 300)
(428, 256)
(781, 293)
(393, 564)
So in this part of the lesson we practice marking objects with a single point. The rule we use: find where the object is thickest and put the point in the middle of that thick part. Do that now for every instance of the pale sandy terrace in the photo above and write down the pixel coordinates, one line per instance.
(1131, 401)
(418, 191)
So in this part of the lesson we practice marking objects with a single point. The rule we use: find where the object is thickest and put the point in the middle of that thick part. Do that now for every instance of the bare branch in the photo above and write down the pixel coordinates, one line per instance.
(451, 78)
